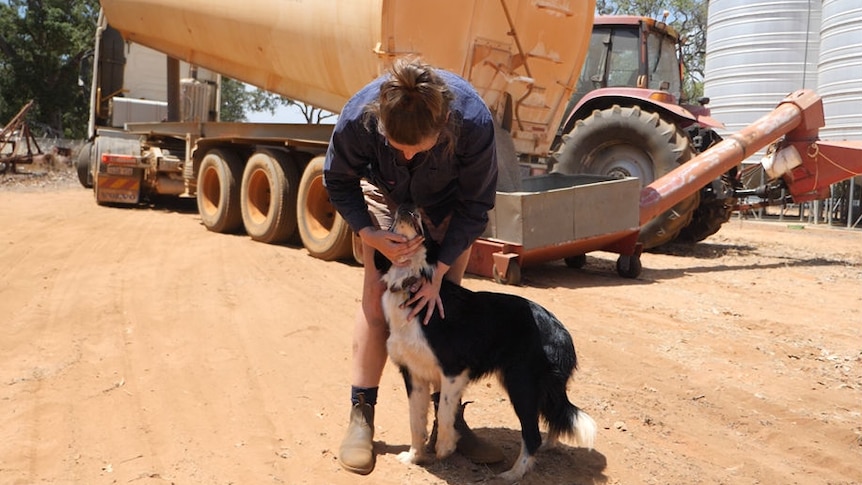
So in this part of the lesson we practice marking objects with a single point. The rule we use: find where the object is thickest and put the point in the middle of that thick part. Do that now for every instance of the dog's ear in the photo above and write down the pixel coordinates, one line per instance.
(381, 262)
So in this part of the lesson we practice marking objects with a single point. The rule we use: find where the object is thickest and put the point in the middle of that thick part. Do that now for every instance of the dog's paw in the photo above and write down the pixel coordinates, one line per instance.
(507, 478)
(445, 448)
(520, 468)
(413, 457)
(447, 441)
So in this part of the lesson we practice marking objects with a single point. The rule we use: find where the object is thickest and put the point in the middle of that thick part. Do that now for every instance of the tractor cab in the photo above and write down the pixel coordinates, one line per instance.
(630, 52)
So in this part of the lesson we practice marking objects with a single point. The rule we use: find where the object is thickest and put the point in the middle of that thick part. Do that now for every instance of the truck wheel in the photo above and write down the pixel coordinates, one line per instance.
(268, 196)
(629, 142)
(84, 166)
(324, 233)
(218, 193)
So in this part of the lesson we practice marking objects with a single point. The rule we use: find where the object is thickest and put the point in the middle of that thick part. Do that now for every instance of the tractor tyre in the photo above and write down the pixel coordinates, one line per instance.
(707, 219)
(268, 196)
(218, 191)
(324, 233)
(628, 142)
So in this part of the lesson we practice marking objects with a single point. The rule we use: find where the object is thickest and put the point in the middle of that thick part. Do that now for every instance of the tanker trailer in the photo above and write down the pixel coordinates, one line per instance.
(522, 56)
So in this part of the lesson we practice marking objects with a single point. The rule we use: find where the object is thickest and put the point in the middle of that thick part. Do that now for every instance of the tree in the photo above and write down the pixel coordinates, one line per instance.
(688, 17)
(312, 115)
(42, 44)
(239, 99)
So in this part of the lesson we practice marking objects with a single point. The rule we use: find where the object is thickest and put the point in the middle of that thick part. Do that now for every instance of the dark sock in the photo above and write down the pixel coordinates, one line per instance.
(369, 392)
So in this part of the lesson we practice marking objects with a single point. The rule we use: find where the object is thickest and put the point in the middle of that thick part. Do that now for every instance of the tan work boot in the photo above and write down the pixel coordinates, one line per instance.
(474, 448)
(357, 449)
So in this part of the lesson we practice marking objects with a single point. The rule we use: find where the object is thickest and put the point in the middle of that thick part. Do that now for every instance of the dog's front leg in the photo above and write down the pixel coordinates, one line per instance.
(451, 389)
(418, 398)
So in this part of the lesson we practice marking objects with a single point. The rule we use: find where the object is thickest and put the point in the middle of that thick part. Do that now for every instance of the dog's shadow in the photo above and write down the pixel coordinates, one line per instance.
(563, 465)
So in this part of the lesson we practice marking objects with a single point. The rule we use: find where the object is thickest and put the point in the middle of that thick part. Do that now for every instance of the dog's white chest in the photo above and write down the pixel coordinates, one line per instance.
(406, 343)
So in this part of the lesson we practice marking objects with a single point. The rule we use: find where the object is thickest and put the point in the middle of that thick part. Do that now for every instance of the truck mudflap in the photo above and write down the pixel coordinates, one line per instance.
(118, 180)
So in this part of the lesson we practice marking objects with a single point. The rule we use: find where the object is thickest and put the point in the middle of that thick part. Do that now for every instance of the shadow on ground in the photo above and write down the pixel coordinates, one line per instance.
(563, 465)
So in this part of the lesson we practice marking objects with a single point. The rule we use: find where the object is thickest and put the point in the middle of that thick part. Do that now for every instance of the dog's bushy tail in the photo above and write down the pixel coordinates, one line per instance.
(585, 428)
(566, 419)
(562, 417)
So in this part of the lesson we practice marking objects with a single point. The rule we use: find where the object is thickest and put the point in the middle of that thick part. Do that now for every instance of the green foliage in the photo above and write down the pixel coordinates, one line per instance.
(688, 17)
(237, 99)
(42, 43)
(231, 106)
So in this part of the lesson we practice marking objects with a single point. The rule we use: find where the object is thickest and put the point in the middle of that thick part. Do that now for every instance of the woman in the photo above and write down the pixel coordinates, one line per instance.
(415, 135)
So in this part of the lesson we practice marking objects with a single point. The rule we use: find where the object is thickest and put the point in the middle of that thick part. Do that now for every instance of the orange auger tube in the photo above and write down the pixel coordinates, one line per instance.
(801, 110)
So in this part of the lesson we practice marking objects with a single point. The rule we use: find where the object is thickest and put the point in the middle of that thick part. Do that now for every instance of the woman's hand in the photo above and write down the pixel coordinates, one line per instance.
(428, 295)
(396, 247)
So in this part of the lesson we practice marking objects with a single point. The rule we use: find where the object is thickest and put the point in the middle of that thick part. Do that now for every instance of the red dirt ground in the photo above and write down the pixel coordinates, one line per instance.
(137, 347)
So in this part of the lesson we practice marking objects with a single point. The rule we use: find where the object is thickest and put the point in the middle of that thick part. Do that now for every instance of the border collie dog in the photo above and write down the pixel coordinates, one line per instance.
(483, 333)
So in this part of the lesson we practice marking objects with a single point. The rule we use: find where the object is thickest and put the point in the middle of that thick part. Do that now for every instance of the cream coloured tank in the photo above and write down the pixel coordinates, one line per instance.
(320, 52)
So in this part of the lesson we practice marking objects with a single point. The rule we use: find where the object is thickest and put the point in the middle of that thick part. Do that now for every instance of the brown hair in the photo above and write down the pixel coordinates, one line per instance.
(413, 104)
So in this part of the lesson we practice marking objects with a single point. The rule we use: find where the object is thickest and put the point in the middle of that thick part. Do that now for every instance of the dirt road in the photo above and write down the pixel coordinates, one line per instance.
(137, 347)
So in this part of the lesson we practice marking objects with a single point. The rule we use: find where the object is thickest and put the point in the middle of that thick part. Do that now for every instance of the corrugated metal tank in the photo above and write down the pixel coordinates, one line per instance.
(839, 81)
(757, 52)
(322, 51)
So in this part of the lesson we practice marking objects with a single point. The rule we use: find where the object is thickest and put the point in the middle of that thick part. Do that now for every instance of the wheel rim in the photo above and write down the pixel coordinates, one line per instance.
(259, 196)
(210, 190)
(622, 160)
(320, 210)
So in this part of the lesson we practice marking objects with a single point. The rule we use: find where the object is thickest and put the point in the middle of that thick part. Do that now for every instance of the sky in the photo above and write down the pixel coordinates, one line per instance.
(284, 114)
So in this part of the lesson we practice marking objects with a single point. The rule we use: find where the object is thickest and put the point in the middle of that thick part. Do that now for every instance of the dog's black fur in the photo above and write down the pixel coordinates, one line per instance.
(482, 333)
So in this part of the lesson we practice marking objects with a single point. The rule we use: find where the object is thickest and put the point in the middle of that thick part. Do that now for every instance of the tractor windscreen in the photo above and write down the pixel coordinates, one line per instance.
(663, 67)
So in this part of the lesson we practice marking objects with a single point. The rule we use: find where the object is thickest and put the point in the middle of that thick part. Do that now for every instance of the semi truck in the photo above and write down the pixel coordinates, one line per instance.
(578, 94)
(266, 179)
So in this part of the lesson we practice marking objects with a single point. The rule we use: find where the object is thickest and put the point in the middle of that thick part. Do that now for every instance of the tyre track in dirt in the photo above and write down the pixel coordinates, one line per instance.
(45, 330)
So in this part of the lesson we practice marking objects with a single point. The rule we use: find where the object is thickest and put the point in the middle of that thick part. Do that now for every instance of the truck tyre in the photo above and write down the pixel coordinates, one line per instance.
(84, 166)
(268, 196)
(629, 142)
(324, 233)
(218, 192)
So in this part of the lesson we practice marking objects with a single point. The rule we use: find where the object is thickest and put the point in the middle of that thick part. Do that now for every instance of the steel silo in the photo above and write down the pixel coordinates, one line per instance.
(839, 78)
(839, 72)
(757, 52)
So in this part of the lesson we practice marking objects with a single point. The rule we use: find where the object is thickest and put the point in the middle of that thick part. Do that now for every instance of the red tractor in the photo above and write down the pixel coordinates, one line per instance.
(626, 119)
